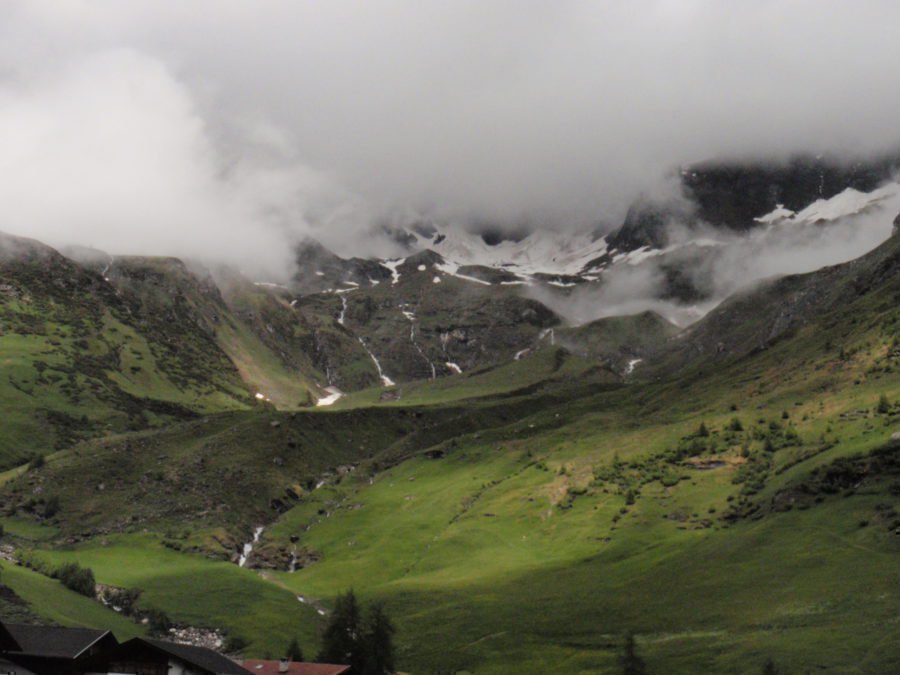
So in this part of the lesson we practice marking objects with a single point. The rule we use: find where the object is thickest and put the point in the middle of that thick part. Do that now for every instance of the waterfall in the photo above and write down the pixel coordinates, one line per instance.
(248, 547)
(412, 338)
(385, 380)
(106, 269)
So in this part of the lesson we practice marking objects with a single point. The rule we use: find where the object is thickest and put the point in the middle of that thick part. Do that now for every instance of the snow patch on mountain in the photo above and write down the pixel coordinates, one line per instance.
(850, 202)
(778, 214)
(541, 252)
(392, 265)
(334, 394)
(453, 270)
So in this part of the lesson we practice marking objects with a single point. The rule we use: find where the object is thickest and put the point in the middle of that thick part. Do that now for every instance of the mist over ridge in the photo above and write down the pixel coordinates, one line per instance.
(230, 131)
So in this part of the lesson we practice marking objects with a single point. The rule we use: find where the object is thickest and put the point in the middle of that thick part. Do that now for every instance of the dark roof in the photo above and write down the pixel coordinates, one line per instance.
(197, 656)
(295, 668)
(53, 641)
(10, 667)
(7, 641)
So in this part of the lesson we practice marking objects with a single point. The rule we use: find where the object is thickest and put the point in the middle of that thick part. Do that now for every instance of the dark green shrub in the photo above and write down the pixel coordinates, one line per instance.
(77, 578)
(51, 507)
(157, 620)
(294, 653)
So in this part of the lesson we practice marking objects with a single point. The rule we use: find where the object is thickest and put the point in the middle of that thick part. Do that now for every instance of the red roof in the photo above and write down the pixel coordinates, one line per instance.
(294, 668)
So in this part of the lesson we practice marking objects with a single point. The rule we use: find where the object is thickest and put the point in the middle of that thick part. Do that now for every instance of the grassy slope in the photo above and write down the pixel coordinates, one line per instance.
(512, 551)
(262, 371)
(473, 540)
(79, 358)
(199, 591)
(57, 604)
(618, 339)
(543, 369)
(82, 355)
(213, 473)
(268, 341)
(484, 541)
(188, 472)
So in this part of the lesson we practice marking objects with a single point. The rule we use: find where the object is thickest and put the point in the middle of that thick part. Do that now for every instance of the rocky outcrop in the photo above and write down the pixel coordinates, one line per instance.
(732, 194)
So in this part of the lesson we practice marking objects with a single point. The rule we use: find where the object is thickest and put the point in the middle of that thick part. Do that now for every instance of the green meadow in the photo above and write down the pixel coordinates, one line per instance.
(522, 517)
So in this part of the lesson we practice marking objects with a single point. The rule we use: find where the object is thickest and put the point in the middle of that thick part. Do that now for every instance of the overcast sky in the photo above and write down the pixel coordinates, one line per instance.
(227, 128)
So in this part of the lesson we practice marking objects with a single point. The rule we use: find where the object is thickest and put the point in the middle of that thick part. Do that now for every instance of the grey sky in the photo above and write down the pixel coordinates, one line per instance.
(223, 127)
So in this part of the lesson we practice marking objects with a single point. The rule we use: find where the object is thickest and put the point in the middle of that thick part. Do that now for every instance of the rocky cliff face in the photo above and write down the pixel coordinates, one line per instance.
(734, 194)
(427, 320)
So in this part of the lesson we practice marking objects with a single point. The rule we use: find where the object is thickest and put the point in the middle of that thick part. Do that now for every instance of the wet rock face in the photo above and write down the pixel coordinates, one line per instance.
(645, 225)
(319, 269)
(283, 558)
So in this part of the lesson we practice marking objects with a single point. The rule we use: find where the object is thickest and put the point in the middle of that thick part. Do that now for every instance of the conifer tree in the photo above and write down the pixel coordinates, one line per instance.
(632, 664)
(294, 653)
(342, 639)
(379, 642)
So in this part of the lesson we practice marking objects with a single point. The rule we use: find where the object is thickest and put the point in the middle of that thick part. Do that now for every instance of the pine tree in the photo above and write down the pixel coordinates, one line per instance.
(379, 642)
(770, 668)
(342, 639)
(884, 405)
(294, 653)
(632, 664)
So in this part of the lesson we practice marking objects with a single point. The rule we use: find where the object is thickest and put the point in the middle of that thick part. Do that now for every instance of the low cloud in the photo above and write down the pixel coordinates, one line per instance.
(112, 152)
(228, 129)
(730, 262)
